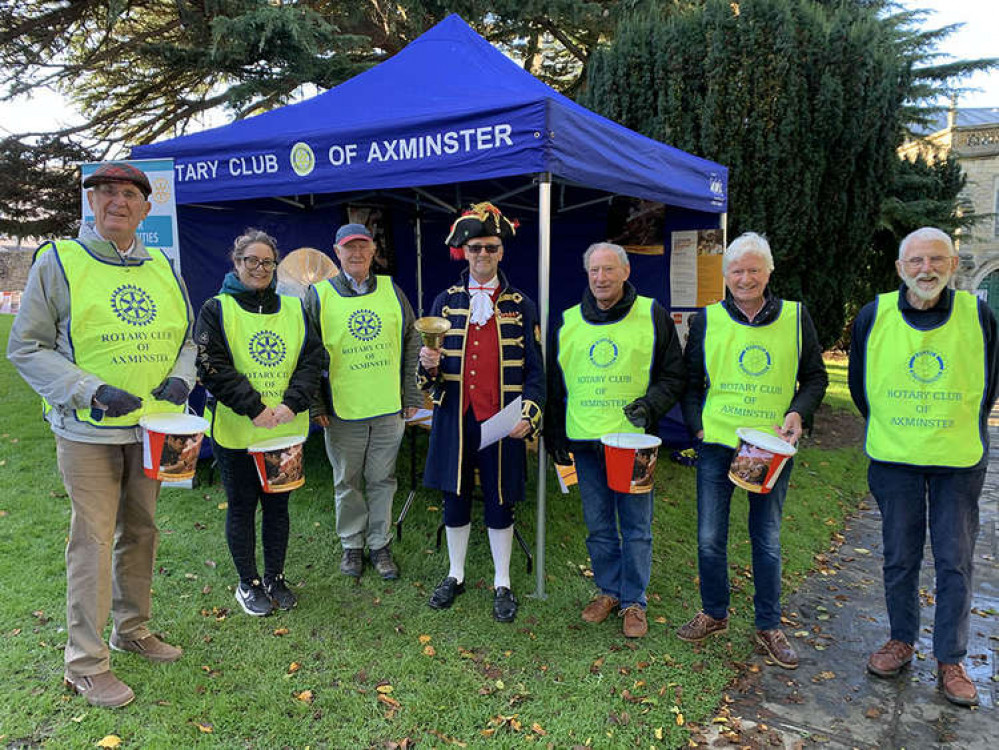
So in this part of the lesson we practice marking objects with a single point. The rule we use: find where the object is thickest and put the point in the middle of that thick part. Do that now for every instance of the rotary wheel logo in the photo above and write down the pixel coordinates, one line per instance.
(267, 348)
(755, 360)
(133, 305)
(603, 353)
(161, 190)
(303, 160)
(926, 367)
(364, 325)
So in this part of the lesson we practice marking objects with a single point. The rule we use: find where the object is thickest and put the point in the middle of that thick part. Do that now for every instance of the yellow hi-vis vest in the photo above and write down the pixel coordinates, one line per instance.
(925, 388)
(363, 336)
(265, 348)
(605, 367)
(127, 325)
(752, 372)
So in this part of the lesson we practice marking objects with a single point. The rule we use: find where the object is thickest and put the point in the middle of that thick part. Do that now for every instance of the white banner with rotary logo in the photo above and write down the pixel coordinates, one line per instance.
(159, 229)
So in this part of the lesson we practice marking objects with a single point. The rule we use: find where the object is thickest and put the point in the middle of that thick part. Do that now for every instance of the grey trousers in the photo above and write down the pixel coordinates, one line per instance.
(364, 451)
(111, 548)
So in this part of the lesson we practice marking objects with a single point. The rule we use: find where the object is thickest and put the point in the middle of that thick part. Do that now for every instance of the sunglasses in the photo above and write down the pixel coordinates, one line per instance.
(476, 249)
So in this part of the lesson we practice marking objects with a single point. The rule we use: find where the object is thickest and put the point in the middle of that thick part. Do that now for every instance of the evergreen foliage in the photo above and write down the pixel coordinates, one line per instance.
(145, 69)
(806, 102)
(40, 187)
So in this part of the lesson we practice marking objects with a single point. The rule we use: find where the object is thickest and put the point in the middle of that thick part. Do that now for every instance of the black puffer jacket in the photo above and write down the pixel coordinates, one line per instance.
(219, 375)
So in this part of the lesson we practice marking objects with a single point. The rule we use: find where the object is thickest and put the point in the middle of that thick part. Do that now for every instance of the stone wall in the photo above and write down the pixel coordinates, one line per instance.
(14, 266)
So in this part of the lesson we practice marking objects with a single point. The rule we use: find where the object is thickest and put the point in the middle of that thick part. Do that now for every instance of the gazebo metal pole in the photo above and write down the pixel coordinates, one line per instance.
(544, 258)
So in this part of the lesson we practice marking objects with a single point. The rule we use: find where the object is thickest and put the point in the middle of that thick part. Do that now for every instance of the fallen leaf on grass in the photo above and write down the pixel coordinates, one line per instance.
(537, 729)
(861, 551)
(388, 701)
(424, 639)
(204, 728)
(223, 506)
(110, 741)
(429, 650)
(384, 689)
(294, 667)
(450, 740)
(306, 696)
(282, 631)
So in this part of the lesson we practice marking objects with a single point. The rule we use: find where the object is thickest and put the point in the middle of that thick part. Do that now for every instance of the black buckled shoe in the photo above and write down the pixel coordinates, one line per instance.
(446, 591)
(504, 605)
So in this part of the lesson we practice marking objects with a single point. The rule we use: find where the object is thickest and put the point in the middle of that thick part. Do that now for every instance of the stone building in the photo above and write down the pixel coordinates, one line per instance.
(972, 135)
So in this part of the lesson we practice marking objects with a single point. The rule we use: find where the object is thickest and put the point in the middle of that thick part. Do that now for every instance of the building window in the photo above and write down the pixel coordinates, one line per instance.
(995, 208)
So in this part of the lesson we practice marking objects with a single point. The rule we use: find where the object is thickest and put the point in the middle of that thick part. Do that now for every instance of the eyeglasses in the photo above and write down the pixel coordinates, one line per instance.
(476, 249)
(110, 190)
(936, 261)
(253, 263)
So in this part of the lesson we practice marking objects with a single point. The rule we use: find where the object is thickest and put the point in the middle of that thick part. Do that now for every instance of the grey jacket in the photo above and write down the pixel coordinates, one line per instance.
(411, 394)
(39, 346)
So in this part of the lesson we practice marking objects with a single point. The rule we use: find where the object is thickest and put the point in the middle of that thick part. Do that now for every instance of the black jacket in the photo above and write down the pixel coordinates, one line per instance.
(812, 376)
(666, 379)
(219, 375)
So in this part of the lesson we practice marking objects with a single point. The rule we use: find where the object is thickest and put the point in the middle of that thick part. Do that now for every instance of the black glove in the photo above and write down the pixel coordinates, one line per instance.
(559, 453)
(173, 390)
(115, 402)
(638, 413)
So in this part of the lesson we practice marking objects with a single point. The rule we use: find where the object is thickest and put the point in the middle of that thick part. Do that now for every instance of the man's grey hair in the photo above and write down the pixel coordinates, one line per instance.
(620, 252)
(927, 234)
(745, 244)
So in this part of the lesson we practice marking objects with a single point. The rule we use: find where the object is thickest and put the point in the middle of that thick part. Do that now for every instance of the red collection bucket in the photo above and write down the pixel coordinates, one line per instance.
(631, 461)
(171, 444)
(279, 463)
(759, 459)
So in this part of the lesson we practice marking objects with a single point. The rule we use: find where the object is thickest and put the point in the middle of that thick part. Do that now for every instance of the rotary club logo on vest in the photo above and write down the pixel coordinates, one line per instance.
(267, 348)
(133, 305)
(364, 325)
(755, 360)
(926, 367)
(603, 352)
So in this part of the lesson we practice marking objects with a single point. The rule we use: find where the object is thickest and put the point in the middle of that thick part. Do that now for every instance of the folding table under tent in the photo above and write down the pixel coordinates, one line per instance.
(447, 121)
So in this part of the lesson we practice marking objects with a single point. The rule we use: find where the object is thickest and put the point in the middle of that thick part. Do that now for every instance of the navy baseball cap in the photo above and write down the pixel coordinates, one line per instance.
(349, 232)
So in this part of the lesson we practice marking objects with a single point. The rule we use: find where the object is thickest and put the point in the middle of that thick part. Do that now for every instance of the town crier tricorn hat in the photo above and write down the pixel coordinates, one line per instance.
(480, 220)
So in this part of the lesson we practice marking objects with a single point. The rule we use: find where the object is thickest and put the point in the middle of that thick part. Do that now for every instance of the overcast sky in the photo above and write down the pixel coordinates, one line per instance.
(978, 38)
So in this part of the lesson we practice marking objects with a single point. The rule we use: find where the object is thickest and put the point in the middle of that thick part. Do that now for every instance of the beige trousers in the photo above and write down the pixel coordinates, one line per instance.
(111, 548)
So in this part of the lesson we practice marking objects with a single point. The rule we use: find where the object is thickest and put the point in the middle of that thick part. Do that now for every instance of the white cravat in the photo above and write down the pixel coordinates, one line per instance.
(481, 300)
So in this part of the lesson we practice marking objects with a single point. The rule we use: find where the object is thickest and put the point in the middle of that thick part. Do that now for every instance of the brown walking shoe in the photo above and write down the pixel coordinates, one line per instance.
(381, 560)
(956, 685)
(701, 627)
(635, 624)
(775, 645)
(888, 660)
(150, 648)
(103, 690)
(600, 608)
(352, 562)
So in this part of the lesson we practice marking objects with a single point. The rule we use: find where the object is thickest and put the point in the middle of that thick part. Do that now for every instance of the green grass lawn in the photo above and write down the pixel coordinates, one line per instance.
(369, 664)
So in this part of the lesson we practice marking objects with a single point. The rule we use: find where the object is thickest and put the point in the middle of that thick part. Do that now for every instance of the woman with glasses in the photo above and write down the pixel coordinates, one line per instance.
(260, 362)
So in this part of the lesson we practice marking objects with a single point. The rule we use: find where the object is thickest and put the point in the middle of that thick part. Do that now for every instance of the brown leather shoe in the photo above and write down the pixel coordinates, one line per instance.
(635, 624)
(599, 609)
(701, 627)
(775, 645)
(956, 685)
(103, 690)
(150, 648)
(888, 660)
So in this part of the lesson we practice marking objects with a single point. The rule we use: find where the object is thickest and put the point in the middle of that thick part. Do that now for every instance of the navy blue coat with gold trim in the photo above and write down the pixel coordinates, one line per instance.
(521, 374)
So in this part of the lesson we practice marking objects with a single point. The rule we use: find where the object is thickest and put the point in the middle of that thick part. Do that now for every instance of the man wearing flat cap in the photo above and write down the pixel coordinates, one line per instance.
(103, 335)
(490, 356)
(366, 324)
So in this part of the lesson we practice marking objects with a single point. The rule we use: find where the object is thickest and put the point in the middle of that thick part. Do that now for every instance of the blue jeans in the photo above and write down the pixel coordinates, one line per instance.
(905, 495)
(714, 496)
(620, 532)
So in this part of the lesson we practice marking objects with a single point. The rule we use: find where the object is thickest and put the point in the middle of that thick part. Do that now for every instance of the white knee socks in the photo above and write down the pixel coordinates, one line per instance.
(457, 548)
(501, 545)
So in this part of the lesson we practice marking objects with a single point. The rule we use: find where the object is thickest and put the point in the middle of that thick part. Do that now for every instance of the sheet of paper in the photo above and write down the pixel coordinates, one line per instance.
(566, 476)
(422, 416)
(499, 426)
